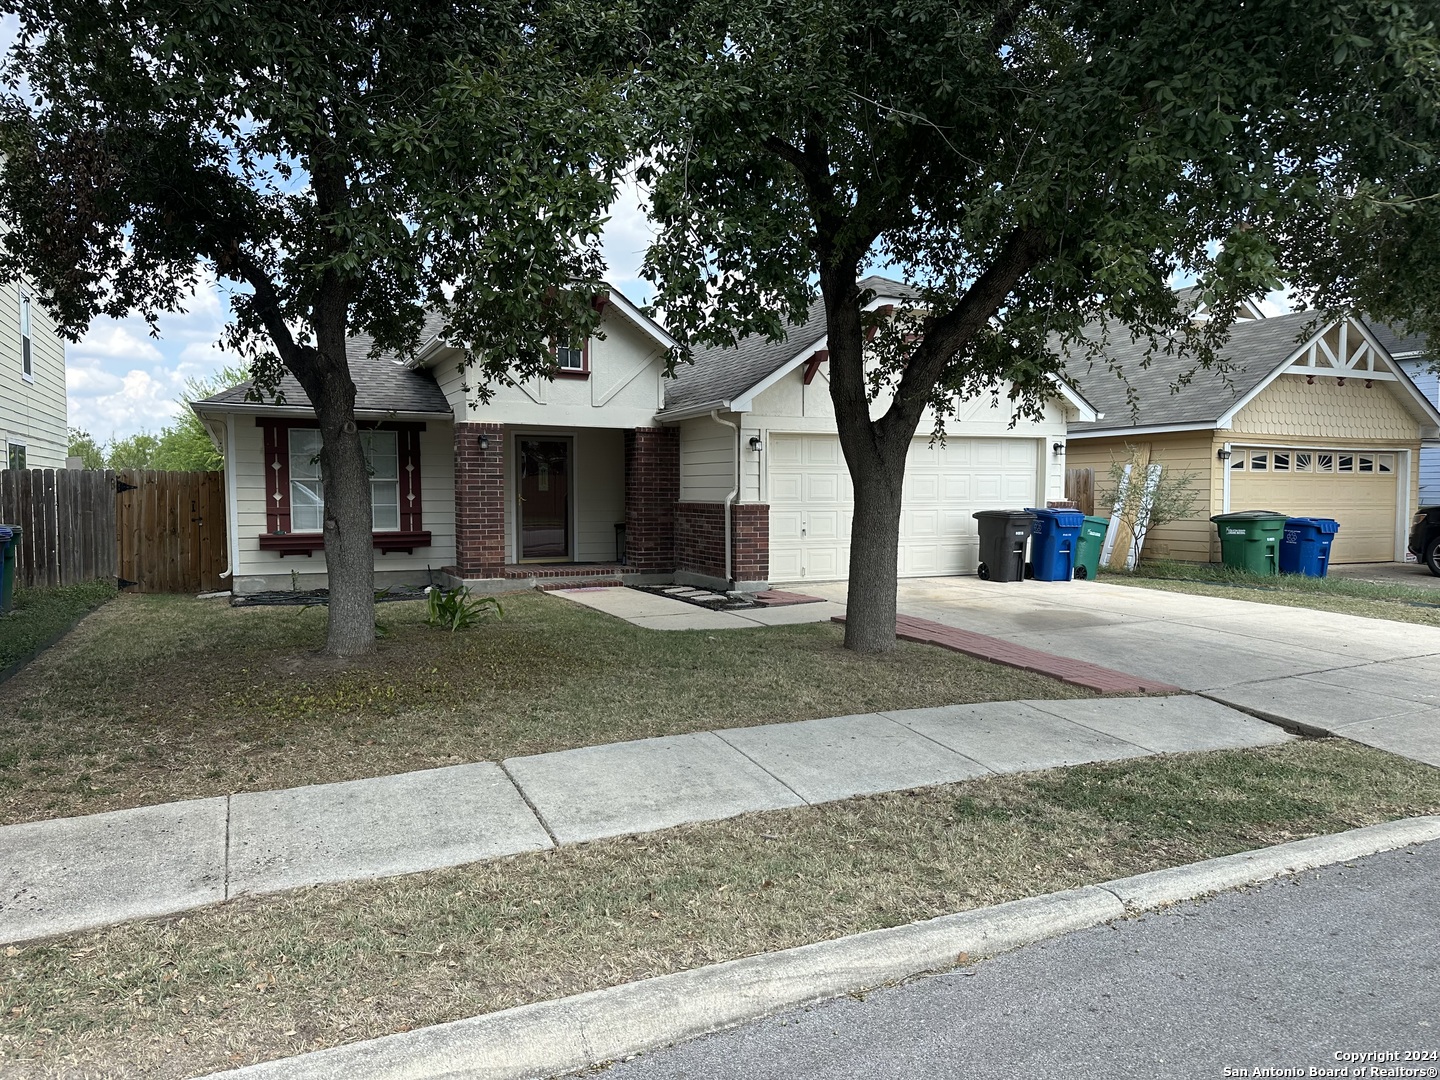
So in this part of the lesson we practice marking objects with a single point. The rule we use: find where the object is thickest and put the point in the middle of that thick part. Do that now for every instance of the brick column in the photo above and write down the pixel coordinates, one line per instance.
(652, 488)
(479, 500)
(750, 541)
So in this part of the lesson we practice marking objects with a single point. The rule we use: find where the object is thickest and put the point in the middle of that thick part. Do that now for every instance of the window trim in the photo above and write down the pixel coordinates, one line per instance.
(278, 535)
(11, 445)
(27, 339)
(582, 372)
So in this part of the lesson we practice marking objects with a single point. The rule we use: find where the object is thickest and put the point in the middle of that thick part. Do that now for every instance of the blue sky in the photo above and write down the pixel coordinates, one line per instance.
(121, 380)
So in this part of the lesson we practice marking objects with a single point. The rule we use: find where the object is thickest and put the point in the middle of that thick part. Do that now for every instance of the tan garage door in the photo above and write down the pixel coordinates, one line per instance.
(1358, 489)
(811, 501)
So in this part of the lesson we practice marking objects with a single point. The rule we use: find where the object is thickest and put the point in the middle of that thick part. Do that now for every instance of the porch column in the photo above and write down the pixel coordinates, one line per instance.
(652, 488)
(479, 500)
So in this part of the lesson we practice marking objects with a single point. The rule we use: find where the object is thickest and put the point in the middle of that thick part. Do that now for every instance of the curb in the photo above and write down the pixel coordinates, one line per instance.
(573, 1033)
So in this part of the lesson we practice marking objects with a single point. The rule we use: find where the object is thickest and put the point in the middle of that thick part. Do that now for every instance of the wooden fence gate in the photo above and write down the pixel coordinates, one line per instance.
(67, 525)
(1080, 489)
(170, 531)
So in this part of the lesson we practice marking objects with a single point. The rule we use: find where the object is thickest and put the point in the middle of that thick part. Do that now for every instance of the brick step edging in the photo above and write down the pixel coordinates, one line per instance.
(999, 651)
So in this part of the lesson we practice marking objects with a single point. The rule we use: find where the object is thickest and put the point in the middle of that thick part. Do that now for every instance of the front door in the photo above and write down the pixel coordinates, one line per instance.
(544, 494)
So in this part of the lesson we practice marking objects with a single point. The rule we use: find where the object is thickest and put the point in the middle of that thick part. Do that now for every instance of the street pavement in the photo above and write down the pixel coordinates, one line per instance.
(1370, 680)
(1294, 975)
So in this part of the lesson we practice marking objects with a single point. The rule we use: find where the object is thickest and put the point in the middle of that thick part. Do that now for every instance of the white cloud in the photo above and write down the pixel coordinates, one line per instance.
(115, 340)
(627, 235)
(140, 402)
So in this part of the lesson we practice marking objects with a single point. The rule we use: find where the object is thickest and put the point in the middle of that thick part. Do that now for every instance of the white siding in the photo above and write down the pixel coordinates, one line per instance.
(437, 492)
(32, 412)
(707, 460)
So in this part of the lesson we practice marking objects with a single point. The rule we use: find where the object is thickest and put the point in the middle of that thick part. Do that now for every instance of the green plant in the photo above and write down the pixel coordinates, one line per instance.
(455, 609)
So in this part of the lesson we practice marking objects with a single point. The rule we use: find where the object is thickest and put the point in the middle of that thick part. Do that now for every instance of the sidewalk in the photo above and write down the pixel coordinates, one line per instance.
(74, 873)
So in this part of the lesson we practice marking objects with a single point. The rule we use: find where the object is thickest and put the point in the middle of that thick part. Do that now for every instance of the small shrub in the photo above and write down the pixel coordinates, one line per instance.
(455, 609)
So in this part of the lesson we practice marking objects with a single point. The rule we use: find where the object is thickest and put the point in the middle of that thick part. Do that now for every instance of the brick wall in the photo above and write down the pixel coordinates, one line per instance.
(652, 488)
(700, 539)
(479, 500)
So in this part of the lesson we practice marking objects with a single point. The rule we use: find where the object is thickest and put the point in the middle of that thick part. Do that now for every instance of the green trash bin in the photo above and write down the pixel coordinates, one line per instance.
(9, 545)
(1089, 546)
(1250, 540)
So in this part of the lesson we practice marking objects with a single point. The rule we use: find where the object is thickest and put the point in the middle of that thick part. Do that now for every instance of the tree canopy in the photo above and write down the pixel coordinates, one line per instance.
(1036, 169)
(345, 168)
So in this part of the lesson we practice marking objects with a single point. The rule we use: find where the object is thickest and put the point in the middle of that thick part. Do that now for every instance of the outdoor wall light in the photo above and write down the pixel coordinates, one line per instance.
(756, 443)
(484, 442)
(1223, 454)
(1059, 448)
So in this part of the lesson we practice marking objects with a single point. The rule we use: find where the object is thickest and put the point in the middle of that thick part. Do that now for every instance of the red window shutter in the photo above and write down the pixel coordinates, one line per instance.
(276, 435)
(407, 443)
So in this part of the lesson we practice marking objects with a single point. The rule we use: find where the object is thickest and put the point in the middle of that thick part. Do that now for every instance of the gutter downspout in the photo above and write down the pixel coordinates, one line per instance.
(730, 499)
(231, 548)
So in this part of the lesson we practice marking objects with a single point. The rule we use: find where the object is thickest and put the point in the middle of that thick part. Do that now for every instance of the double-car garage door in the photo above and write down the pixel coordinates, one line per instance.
(811, 502)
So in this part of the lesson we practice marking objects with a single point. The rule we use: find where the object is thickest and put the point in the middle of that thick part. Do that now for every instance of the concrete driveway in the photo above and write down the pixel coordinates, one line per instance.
(1371, 680)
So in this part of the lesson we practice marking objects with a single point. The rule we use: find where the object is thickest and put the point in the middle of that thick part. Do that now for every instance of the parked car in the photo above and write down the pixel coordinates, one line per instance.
(1425, 537)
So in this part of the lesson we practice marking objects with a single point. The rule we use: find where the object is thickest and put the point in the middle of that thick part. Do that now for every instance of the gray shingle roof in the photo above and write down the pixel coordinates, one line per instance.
(1256, 348)
(1401, 345)
(723, 374)
(381, 384)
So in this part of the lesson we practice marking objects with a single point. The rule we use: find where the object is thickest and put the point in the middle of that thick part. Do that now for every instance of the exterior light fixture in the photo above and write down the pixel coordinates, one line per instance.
(484, 442)
(1058, 447)
(756, 443)
(1369, 384)
(1223, 453)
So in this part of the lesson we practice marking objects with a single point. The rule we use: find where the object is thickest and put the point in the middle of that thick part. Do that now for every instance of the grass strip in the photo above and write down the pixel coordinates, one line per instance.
(1347, 596)
(261, 978)
(157, 698)
(41, 617)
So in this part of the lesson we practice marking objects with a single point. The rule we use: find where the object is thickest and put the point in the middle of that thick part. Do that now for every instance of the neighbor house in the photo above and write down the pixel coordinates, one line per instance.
(1308, 420)
(33, 417)
(1418, 359)
(728, 475)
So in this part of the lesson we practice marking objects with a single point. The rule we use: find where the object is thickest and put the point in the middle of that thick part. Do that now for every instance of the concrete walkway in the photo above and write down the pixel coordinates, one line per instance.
(1371, 680)
(74, 873)
(663, 613)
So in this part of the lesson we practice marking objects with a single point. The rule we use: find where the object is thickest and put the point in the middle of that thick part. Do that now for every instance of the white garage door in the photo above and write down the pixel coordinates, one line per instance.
(1358, 489)
(811, 501)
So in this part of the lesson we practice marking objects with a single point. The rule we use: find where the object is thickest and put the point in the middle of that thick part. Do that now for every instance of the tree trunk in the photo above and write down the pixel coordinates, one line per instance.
(349, 549)
(874, 556)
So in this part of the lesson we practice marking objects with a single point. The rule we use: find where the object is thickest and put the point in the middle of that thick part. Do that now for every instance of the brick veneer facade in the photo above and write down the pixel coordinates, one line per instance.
(479, 501)
(700, 540)
(652, 488)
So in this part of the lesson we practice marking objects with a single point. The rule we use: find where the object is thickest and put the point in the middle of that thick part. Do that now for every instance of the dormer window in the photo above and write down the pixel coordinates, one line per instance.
(572, 359)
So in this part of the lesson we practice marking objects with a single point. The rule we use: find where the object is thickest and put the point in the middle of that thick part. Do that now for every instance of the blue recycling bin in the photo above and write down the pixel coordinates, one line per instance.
(1054, 538)
(7, 569)
(1305, 547)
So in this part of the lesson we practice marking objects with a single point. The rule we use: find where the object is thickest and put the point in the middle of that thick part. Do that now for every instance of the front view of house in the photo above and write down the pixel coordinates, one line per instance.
(729, 475)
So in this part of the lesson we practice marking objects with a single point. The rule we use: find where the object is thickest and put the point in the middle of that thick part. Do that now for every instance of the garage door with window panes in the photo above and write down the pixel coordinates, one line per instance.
(1358, 488)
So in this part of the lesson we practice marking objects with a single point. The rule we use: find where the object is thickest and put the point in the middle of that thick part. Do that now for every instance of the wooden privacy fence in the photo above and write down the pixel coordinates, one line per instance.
(151, 531)
(1080, 489)
(170, 528)
(67, 518)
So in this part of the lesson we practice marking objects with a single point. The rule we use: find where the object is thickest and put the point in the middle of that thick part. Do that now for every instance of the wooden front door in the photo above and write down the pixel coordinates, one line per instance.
(544, 499)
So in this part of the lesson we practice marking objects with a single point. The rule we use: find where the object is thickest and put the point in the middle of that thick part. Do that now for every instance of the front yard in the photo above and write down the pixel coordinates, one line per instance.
(1348, 596)
(261, 978)
(156, 698)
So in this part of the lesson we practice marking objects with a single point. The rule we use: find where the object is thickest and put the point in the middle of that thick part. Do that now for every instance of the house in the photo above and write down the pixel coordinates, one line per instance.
(1417, 359)
(33, 419)
(1309, 420)
(729, 475)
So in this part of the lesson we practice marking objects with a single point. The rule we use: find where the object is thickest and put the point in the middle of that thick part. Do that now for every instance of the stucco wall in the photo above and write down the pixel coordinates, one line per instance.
(624, 388)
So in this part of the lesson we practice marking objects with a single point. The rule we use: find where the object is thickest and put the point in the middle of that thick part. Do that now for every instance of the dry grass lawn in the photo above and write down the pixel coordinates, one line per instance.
(157, 698)
(257, 979)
